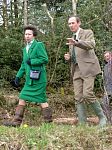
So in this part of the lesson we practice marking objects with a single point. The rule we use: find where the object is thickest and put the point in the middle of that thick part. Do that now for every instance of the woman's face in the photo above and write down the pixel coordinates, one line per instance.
(28, 36)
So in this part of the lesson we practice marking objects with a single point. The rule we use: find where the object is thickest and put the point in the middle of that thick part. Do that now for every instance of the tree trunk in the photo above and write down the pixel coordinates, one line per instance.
(25, 5)
(11, 12)
(16, 12)
(5, 15)
(74, 6)
(51, 18)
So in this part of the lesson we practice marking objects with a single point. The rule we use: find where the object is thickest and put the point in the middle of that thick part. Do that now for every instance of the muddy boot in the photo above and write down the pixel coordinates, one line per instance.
(16, 122)
(99, 112)
(47, 114)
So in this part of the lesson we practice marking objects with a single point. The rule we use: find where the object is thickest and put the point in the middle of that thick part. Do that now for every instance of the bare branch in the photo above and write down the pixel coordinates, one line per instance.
(52, 19)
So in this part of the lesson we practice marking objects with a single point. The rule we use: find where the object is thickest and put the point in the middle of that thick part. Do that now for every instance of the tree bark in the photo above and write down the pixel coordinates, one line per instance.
(5, 15)
(16, 12)
(52, 19)
(74, 6)
(25, 5)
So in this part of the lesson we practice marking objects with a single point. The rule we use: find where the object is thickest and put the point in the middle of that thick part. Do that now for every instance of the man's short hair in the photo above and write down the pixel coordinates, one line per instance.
(76, 16)
(107, 51)
(30, 27)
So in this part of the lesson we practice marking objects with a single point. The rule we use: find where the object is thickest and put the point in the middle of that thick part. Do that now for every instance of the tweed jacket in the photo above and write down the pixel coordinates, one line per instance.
(108, 77)
(85, 55)
(38, 56)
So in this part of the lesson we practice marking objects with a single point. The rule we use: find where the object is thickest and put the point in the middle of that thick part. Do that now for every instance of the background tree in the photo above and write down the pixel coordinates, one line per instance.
(74, 6)
(25, 4)
(16, 12)
(51, 21)
(5, 15)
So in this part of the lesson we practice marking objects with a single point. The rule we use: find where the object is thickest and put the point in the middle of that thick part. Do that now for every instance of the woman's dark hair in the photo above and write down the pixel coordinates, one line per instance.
(30, 27)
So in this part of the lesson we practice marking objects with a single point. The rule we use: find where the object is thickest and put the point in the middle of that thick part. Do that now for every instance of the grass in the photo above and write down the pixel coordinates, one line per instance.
(36, 135)
(55, 137)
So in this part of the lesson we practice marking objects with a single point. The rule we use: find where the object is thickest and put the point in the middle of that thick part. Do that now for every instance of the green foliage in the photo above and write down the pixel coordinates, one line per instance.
(10, 57)
(94, 14)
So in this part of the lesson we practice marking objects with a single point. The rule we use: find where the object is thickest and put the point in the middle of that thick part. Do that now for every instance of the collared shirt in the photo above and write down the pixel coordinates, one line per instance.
(28, 46)
(77, 34)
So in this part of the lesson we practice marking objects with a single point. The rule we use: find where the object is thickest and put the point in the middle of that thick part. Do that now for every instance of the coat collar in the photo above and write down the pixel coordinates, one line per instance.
(32, 46)
(80, 33)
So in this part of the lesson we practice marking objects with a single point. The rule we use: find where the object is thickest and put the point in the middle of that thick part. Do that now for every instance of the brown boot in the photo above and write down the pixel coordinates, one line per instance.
(16, 122)
(47, 114)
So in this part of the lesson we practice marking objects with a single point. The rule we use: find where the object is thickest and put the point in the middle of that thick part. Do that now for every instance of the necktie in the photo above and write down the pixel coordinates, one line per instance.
(73, 57)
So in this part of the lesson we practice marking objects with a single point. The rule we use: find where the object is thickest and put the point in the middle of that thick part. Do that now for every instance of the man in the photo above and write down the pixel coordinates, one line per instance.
(84, 68)
(107, 99)
(108, 72)
(33, 67)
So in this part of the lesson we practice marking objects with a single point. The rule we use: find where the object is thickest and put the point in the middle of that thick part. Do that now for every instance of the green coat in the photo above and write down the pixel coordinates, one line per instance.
(34, 90)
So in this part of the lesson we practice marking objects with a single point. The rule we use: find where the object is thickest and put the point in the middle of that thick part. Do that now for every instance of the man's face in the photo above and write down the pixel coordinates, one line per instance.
(107, 56)
(73, 24)
(29, 36)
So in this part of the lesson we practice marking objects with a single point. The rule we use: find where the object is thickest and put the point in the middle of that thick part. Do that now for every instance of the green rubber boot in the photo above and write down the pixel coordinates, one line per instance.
(99, 112)
(81, 113)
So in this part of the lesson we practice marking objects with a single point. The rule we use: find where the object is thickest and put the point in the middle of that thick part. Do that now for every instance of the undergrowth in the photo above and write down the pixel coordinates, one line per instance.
(35, 135)
(55, 137)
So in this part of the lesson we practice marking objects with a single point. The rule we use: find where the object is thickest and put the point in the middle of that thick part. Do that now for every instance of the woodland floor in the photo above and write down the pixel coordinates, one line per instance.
(62, 134)
(62, 104)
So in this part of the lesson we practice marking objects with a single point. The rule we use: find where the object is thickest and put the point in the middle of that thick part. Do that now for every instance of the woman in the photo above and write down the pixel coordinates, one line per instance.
(33, 67)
